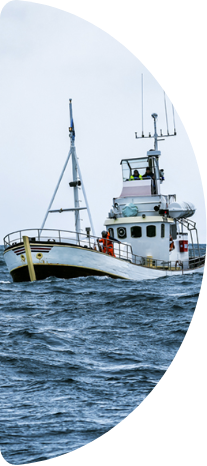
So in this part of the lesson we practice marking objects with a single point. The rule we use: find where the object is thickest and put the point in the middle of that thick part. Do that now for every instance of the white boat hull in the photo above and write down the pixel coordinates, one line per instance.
(71, 261)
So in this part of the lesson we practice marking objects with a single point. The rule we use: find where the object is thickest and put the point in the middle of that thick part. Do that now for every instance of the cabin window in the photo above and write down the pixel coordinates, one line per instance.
(151, 231)
(162, 230)
(136, 232)
(121, 232)
(111, 232)
(173, 231)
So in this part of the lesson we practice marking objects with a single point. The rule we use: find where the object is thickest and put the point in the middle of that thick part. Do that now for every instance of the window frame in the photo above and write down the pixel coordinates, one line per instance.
(140, 228)
(151, 236)
(162, 230)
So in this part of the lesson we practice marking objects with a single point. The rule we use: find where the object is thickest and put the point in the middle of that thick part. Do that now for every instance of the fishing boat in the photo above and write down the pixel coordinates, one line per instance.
(146, 232)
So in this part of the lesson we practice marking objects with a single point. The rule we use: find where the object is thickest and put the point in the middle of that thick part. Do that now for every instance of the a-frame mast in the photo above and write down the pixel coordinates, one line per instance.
(75, 184)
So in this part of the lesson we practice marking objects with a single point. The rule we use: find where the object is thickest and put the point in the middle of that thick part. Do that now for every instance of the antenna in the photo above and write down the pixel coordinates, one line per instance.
(174, 119)
(142, 105)
(155, 116)
(166, 113)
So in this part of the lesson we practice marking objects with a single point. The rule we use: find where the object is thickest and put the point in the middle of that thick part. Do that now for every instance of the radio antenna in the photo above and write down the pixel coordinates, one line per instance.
(166, 114)
(173, 119)
(142, 105)
(154, 116)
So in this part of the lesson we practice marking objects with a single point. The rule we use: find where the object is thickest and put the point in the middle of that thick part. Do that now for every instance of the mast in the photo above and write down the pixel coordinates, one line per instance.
(154, 116)
(77, 174)
(75, 183)
(155, 135)
(155, 154)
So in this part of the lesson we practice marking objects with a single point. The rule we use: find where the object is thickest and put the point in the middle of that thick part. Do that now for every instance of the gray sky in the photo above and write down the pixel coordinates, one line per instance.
(46, 57)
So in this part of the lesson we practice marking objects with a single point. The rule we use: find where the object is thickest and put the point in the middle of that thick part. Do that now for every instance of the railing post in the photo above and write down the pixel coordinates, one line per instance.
(198, 242)
(59, 236)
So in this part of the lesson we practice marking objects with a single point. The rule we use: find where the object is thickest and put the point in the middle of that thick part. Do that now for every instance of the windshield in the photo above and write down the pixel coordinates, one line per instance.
(130, 165)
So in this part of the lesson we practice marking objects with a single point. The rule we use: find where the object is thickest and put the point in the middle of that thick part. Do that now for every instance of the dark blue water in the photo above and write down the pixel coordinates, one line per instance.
(77, 356)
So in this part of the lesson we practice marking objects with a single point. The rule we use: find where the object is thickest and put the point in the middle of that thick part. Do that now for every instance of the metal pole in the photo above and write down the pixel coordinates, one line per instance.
(197, 241)
(174, 119)
(76, 194)
(192, 243)
(55, 192)
(84, 193)
(154, 116)
(75, 172)
(72, 138)
(142, 109)
(166, 114)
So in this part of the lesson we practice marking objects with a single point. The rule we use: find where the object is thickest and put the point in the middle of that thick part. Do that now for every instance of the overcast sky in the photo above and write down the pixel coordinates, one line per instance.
(46, 57)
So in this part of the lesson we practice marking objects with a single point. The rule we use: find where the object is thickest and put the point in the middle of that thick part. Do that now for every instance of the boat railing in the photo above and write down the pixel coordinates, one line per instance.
(51, 236)
(120, 250)
(196, 250)
(196, 261)
(150, 262)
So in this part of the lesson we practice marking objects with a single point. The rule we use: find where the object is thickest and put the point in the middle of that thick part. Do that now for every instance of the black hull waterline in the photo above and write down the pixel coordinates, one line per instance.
(59, 271)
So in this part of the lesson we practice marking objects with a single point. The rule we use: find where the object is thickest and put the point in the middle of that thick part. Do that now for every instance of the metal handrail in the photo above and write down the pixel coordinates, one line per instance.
(122, 251)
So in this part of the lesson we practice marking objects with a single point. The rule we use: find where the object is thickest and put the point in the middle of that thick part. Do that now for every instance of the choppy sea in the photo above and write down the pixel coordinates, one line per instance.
(77, 356)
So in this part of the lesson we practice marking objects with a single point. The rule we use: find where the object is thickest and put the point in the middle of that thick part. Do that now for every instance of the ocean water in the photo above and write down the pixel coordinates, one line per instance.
(77, 356)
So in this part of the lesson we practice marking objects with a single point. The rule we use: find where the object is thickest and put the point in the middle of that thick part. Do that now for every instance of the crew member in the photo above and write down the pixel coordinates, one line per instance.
(148, 173)
(108, 246)
(135, 176)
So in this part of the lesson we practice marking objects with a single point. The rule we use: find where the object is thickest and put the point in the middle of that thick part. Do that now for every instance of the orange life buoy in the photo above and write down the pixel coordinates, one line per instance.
(172, 245)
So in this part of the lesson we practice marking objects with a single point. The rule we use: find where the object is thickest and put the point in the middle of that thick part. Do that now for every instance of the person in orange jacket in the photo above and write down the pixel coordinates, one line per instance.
(108, 246)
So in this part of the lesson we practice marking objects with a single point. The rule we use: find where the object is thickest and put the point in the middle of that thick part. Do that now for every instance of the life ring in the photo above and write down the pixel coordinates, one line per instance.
(172, 245)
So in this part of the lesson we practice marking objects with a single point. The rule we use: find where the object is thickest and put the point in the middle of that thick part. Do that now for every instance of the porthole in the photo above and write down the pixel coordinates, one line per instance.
(121, 232)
